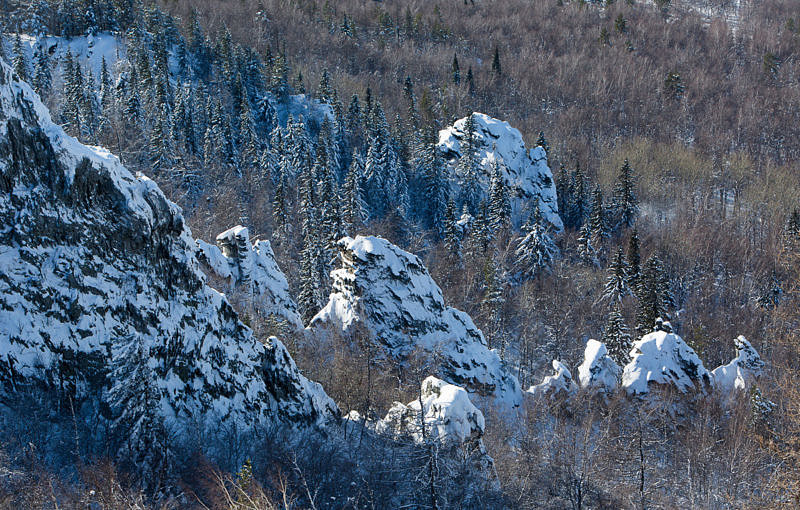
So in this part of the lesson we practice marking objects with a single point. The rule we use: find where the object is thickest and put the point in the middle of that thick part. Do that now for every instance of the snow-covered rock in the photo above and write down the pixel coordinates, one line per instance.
(664, 359)
(741, 372)
(560, 384)
(524, 170)
(390, 294)
(252, 268)
(443, 410)
(93, 257)
(598, 371)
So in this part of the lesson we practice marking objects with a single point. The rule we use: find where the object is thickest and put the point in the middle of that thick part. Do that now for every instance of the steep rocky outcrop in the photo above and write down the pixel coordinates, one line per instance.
(560, 384)
(598, 371)
(390, 294)
(524, 171)
(741, 372)
(251, 268)
(663, 359)
(93, 258)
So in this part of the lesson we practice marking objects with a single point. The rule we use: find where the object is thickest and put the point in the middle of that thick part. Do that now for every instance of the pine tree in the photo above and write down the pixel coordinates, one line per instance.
(20, 61)
(617, 337)
(617, 288)
(535, 248)
(456, 70)
(624, 202)
(499, 201)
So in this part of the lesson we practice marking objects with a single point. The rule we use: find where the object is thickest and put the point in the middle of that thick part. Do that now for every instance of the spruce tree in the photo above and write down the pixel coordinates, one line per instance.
(456, 70)
(42, 76)
(496, 69)
(354, 214)
(492, 302)
(309, 297)
(20, 61)
(624, 202)
(535, 248)
(468, 167)
(280, 203)
(542, 142)
(452, 234)
(598, 225)
(580, 204)
(634, 261)
(617, 337)
(586, 249)
(616, 288)
(470, 81)
(499, 201)
(654, 296)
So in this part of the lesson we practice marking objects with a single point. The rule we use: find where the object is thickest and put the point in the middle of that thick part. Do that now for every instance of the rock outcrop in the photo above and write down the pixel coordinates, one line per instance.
(524, 171)
(664, 359)
(741, 372)
(93, 257)
(390, 294)
(598, 371)
(560, 384)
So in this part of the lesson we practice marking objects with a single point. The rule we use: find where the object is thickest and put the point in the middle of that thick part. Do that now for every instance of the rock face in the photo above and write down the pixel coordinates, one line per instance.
(389, 293)
(664, 359)
(560, 384)
(445, 412)
(524, 170)
(598, 371)
(251, 268)
(92, 257)
(741, 372)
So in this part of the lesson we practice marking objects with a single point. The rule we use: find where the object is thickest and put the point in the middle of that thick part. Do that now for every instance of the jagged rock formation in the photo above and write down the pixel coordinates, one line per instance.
(664, 359)
(443, 410)
(94, 257)
(251, 268)
(389, 293)
(598, 371)
(524, 170)
(741, 372)
(560, 384)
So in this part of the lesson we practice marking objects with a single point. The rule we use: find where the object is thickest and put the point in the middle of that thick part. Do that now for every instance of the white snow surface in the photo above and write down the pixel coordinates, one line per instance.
(92, 255)
(524, 170)
(664, 359)
(444, 410)
(598, 371)
(558, 384)
(390, 293)
(253, 268)
(741, 372)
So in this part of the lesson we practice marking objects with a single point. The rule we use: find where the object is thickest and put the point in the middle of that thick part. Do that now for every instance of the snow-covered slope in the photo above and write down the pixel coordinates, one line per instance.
(560, 384)
(741, 372)
(252, 269)
(598, 371)
(390, 293)
(443, 409)
(94, 257)
(664, 359)
(524, 170)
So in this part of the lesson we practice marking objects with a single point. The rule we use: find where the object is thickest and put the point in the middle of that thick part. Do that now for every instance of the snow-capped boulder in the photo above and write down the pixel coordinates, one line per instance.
(253, 269)
(524, 170)
(443, 410)
(390, 294)
(560, 384)
(664, 359)
(598, 371)
(93, 258)
(741, 372)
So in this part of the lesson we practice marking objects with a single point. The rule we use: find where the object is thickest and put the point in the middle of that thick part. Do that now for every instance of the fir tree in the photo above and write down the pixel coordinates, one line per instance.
(496, 69)
(634, 261)
(280, 204)
(617, 337)
(470, 81)
(542, 142)
(586, 249)
(598, 226)
(42, 76)
(468, 167)
(617, 288)
(452, 234)
(161, 151)
(355, 208)
(624, 202)
(492, 302)
(654, 296)
(535, 248)
(580, 205)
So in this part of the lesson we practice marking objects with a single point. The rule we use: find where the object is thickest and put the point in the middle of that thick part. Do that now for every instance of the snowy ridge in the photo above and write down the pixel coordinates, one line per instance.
(598, 371)
(390, 293)
(664, 359)
(560, 384)
(444, 410)
(524, 170)
(251, 267)
(94, 257)
(741, 372)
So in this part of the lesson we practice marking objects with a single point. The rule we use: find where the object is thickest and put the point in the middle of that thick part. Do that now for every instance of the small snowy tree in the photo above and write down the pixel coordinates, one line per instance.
(20, 60)
(535, 248)
(617, 337)
(499, 201)
(617, 288)
(624, 202)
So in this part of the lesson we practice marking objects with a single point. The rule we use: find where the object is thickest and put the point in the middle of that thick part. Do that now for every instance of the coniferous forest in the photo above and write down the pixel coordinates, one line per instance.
(392, 254)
